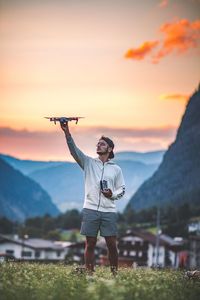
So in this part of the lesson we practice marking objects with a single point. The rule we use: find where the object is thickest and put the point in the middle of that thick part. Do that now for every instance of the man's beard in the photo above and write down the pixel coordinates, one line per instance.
(103, 153)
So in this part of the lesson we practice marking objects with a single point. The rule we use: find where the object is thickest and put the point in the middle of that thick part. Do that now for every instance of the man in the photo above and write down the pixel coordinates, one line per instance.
(104, 184)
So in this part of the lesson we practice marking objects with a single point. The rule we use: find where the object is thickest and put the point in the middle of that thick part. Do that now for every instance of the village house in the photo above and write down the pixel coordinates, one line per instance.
(194, 251)
(138, 248)
(194, 242)
(32, 249)
(76, 252)
(194, 226)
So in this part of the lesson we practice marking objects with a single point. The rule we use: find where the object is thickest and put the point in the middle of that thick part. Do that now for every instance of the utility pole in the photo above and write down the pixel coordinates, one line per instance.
(157, 235)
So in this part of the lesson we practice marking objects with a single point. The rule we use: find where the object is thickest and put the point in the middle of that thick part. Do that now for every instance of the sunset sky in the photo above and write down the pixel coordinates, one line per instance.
(127, 66)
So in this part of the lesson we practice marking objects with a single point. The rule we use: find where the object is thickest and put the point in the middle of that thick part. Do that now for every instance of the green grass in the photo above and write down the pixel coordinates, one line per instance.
(67, 235)
(39, 281)
(152, 230)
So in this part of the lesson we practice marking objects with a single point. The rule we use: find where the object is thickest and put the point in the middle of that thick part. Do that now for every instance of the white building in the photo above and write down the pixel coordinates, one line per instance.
(194, 251)
(32, 249)
(139, 247)
(194, 227)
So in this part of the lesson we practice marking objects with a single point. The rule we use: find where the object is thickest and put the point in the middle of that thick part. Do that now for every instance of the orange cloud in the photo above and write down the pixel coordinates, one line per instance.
(179, 37)
(140, 52)
(180, 97)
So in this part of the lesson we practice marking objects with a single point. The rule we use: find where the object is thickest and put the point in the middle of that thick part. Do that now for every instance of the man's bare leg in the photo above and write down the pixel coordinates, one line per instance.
(89, 253)
(111, 242)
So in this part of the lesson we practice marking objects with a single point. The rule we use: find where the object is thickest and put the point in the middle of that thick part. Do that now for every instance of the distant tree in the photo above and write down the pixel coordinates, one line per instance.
(73, 237)
(148, 215)
(184, 212)
(48, 224)
(71, 219)
(170, 214)
(53, 235)
(34, 222)
(129, 216)
(32, 232)
(176, 229)
(120, 217)
(6, 226)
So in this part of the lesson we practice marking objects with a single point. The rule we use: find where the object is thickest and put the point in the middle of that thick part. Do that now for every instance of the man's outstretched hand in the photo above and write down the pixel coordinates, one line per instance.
(64, 126)
(107, 193)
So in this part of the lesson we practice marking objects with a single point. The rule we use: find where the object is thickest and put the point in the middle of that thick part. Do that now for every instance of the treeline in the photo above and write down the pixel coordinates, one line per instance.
(173, 220)
(46, 227)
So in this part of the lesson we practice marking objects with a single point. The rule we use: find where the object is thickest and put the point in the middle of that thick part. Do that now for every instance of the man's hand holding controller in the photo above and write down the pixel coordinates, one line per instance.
(104, 189)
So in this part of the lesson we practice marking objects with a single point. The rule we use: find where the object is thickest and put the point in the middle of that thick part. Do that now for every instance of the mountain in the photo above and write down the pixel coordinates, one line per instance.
(135, 173)
(64, 182)
(177, 179)
(21, 197)
(154, 157)
(28, 166)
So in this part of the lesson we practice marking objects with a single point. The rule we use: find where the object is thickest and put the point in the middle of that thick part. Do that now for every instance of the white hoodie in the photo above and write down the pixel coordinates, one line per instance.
(95, 171)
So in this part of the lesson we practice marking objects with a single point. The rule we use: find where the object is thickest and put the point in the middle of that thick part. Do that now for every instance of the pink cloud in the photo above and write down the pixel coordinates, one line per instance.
(42, 145)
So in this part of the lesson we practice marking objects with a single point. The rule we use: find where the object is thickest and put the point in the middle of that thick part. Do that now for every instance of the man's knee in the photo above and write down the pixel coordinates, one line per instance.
(90, 243)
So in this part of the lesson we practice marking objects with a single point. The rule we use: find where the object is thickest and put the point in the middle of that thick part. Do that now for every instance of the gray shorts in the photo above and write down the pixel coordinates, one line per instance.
(94, 221)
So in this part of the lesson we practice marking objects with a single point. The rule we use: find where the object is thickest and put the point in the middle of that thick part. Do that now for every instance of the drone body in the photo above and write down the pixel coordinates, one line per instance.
(63, 119)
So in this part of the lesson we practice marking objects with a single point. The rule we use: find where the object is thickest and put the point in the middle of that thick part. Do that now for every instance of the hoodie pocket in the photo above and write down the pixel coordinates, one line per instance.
(108, 203)
(92, 196)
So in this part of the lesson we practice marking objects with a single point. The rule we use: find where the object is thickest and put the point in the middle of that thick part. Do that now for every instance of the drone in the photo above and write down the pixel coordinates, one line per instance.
(63, 119)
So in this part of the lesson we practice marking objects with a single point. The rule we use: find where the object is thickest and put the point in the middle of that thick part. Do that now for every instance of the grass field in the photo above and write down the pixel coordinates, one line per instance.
(39, 281)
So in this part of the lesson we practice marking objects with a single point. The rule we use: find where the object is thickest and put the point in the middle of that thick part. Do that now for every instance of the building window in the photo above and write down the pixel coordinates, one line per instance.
(26, 253)
(125, 253)
(58, 253)
(37, 254)
(10, 252)
(155, 254)
(140, 253)
(132, 253)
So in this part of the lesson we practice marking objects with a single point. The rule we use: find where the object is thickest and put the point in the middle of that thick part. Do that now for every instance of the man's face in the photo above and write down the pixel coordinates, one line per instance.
(102, 147)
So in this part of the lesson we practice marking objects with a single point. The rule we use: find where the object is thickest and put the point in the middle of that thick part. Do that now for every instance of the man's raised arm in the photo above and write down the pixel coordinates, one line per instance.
(77, 154)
